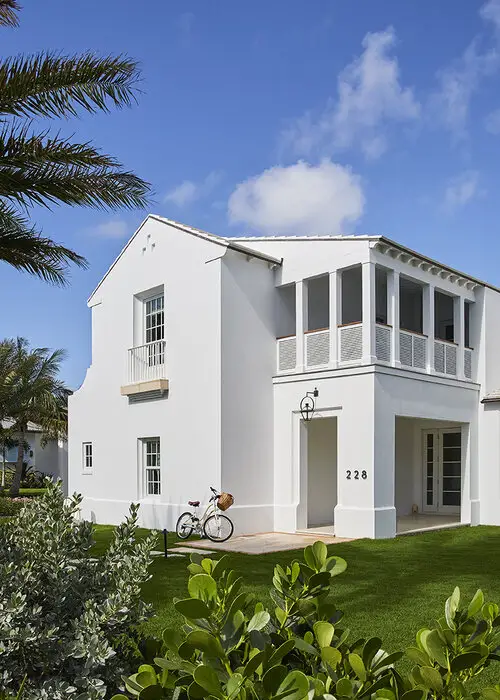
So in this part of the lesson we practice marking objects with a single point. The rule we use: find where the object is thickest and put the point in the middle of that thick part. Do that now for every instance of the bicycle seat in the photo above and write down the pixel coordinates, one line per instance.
(195, 504)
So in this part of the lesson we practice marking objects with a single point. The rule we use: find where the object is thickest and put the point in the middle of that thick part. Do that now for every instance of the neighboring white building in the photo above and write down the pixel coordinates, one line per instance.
(203, 348)
(48, 457)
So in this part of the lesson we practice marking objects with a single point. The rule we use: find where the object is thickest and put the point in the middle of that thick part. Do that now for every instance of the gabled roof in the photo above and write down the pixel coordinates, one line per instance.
(31, 427)
(227, 243)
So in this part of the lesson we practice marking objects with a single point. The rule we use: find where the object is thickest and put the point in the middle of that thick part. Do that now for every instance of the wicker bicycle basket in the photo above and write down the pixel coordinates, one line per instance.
(225, 501)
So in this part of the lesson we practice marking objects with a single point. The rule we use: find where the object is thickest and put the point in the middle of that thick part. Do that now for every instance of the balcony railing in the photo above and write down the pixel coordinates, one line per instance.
(445, 357)
(412, 349)
(350, 341)
(413, 352)
(317, 346)
(146, 362)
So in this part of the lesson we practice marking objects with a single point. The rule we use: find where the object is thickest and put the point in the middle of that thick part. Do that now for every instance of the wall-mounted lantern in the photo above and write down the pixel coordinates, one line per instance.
(307, 405)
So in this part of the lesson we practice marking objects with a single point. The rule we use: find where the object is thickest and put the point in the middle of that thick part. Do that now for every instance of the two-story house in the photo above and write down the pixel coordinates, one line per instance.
(343, 382)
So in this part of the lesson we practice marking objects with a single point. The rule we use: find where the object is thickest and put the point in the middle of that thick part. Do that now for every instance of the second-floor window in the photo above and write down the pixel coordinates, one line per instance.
(154, 326)
(154, 319)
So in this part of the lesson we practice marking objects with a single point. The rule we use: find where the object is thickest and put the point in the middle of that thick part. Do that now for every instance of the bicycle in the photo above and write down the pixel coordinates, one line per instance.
(212, 524)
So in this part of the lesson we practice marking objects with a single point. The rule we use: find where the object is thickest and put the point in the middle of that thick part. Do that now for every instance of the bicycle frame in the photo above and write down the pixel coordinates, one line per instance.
(198, 523)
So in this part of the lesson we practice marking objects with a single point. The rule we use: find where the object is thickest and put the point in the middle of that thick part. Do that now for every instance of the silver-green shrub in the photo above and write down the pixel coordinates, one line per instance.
(68, 622)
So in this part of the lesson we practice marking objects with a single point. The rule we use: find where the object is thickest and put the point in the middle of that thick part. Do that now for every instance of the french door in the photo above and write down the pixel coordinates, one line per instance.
(442, 471)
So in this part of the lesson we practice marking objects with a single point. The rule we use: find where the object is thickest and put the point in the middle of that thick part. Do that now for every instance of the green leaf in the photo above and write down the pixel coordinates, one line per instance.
(431, 678)
(323, 632)
(331, 656)
(487, 693)
(202, 586)
(417, 655)
(146, 677)
(119, 697)
(302, 645)
(344, 687)
(193, 608)
(259, 621)
(372, 646)
(172, 639)
(294, 687)
(387, 660)
(207, 678)
(435, 647)
(451, 608)
(281, 652)
(476, 603)
(310, 558)
(465, 661)
(205, 642)
(254, 663)
(320, 553)
(234, 684)
(386, 694)
(131, 684)
(358, 666)
(335, 566)
(273, 678)
(195, 691)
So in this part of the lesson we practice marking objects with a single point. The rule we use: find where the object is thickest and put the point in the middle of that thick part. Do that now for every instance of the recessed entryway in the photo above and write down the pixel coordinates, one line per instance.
(321, 471)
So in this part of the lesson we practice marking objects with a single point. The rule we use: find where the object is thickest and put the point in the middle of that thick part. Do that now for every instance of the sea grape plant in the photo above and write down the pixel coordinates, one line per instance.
(233, 648)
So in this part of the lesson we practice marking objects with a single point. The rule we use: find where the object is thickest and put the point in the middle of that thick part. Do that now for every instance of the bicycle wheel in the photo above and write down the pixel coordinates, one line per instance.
(218, 528)
(185, 526)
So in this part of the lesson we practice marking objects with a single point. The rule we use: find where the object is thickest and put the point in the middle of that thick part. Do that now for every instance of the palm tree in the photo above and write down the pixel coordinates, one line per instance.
(33, 392)
(40, 168)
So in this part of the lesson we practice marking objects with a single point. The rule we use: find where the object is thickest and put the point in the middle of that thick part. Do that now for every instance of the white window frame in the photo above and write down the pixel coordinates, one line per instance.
(87, 458)
(150, 463)
(156, 330)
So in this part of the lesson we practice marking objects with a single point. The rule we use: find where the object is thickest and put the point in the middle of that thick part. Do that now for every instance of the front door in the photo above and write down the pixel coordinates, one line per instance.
(442, 471)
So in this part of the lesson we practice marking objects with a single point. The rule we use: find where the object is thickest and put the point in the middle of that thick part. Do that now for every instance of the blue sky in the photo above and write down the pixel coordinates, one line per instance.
(280, 117)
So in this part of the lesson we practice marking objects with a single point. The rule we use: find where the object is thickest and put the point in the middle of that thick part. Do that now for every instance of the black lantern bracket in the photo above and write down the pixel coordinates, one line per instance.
(307, 404)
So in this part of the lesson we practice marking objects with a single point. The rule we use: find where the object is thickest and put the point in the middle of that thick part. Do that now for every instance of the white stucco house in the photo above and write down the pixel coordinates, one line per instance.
(49, 457)
(203, 348)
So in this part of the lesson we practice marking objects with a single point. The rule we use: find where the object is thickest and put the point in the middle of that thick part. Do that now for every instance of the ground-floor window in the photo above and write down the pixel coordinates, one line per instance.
(151, 472)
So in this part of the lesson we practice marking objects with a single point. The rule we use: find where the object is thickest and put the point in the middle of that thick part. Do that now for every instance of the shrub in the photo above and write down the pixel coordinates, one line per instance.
(232, 648)
(68, 623)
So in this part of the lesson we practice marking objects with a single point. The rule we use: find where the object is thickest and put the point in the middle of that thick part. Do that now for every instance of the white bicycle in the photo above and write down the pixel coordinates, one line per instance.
(212, 524)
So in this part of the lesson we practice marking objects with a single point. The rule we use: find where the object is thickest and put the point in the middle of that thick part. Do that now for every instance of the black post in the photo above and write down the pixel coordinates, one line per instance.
(165, 541)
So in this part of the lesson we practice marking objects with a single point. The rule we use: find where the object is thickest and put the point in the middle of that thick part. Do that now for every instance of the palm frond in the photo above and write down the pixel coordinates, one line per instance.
(50, 183)
(8, 13)
(23, 248)
(20, 148)
(52, 85)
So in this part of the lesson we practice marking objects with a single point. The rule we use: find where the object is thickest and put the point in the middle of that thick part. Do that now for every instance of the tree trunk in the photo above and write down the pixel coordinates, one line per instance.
(16, 481)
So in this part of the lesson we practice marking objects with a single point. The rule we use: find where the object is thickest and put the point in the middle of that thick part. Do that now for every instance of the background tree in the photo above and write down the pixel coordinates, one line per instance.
(37, 167)
(31, 391)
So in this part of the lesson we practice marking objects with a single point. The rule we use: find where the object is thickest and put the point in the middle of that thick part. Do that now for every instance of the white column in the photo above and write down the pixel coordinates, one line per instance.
(300, 321)
(393, 314)
(428, 318)
(334, 315)
(368, 291)
(459, 333)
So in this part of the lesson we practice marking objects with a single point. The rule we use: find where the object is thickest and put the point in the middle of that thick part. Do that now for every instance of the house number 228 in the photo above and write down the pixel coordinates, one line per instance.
(349, 474)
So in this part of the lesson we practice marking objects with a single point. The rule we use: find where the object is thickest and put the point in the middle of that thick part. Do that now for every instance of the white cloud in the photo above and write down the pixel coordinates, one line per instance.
(115, 228)
(461, 190)
(490, 12)
(370, 95)
(450, 104)
(492, 122)
(299, 199)
(188, 191)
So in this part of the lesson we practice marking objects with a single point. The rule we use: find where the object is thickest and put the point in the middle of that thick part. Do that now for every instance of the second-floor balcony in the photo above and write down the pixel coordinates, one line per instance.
(399, 323)
(146, 371)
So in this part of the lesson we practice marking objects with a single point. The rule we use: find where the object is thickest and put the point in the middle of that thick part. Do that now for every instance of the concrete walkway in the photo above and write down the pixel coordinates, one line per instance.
(264, 543)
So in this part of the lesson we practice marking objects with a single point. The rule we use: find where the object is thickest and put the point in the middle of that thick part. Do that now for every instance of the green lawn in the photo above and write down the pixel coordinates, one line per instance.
(391, 588)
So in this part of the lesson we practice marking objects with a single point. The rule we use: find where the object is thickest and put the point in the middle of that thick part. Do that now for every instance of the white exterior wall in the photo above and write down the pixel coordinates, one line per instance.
(187, 421)
(248, 364)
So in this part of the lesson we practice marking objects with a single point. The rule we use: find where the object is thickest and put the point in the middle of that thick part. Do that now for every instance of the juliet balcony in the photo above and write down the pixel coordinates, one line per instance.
(146, 371)
(369, 314)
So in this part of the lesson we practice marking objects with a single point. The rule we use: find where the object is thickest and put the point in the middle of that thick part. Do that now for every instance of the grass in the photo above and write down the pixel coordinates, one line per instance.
(31, 492)
(391, 588)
